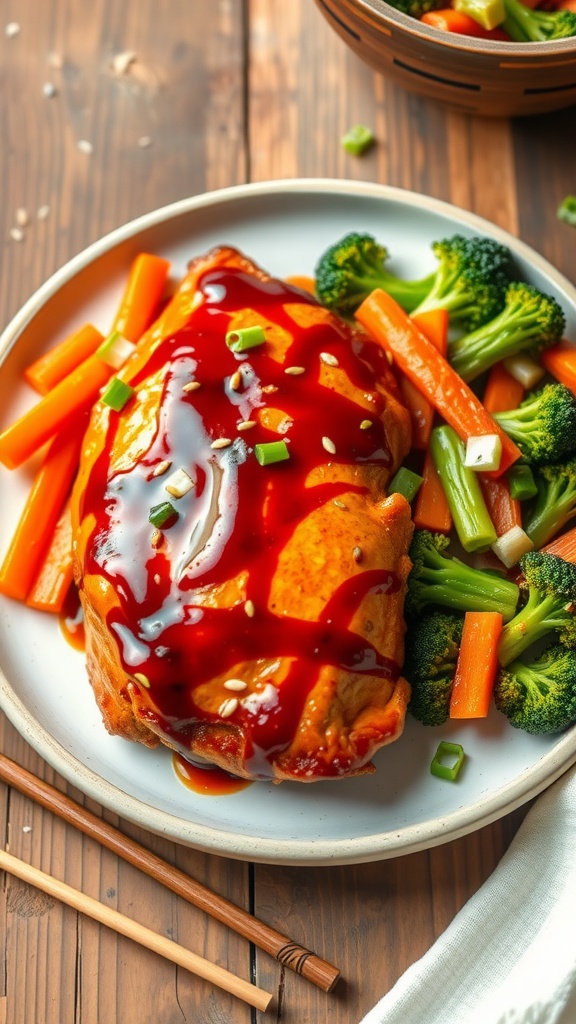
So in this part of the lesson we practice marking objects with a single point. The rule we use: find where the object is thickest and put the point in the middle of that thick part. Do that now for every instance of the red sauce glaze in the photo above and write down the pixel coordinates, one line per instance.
(252, 511)
(71, 620)
(207, 781)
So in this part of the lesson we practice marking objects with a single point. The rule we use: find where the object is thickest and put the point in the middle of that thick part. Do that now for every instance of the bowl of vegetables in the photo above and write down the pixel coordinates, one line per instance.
(500, 58)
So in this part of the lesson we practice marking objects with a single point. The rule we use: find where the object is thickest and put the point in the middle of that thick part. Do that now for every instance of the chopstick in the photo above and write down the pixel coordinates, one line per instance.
(144, 936)
(288, 953)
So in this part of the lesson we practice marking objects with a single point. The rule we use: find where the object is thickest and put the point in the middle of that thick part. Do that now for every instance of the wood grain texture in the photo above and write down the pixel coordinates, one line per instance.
(226, 91)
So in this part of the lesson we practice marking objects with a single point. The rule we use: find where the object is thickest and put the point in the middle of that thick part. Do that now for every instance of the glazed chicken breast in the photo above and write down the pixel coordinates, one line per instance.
(241, 569)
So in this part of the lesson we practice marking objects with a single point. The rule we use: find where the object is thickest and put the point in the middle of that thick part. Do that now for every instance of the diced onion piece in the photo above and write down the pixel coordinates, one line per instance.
(115, 350)
(483, 452)
(179, 483)
(525, 370)
(117, 394)
(245, 338)
(447, 760)
(270, 452)
(510, 547)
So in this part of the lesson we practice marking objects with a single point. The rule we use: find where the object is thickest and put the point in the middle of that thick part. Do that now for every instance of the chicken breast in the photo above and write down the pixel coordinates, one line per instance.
(260, 627)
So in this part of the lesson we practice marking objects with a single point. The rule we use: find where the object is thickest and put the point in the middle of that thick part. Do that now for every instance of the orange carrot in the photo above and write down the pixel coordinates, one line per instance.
(564, 546)
(477, 665)
(449, 20)
(434, 325)
(431, 373)
(503, 509)
(503, 391)
(306, 284)
(146, 283)
(59, 361)
(55, 575)
(560, 361)
(431, 510)
(41, 513)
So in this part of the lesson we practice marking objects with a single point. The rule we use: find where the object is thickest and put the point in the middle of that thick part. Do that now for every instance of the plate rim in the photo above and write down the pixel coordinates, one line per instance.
(210, 839)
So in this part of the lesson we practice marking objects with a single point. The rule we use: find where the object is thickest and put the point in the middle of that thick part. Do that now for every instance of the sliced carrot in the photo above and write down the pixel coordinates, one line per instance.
(53, 413)
(431, 510)
(477, 665)
(41, 513)
(560, 361)
(145, 287)
(51, 368)
(504, 510)
(54, 578)
(564, 546)
(449, 20)
(306, 284)
(431, 373)
(434, 325)
(503, 391)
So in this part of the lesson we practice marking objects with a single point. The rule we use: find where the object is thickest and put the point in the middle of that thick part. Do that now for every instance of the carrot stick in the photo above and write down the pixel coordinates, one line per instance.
(146, 283)
(55, 574)
(56, 364)
(503, 391)
(41, 512)
(431, 373)
(560, 361)
(477, 665)
(431, 510)
(449, 20)
(504, 510)
(434, 325)
(564, 546)
(54, 412)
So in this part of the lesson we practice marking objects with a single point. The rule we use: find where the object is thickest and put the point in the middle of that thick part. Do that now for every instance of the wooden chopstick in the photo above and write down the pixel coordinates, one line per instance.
(289, 953)
(144, 936)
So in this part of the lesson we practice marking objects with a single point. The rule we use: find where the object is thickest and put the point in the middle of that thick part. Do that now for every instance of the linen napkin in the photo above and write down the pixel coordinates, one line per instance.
(509, 956)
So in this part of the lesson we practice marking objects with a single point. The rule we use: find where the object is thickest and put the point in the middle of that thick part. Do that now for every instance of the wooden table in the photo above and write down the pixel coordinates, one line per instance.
(222, 93)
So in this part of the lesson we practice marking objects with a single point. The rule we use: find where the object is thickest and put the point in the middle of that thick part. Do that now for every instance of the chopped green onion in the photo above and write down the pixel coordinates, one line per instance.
(357, 140)
(162, 515)
(461, 486)
(483, 452)
(117, 394)
(451, 752)
(510, 547)
(567, 210)
(245, 338)
(406, 483)
(270, 452)
(115, 350)
(521, 482)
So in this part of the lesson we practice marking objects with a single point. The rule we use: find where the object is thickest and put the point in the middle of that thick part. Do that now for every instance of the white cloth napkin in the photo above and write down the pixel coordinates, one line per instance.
(509, 956)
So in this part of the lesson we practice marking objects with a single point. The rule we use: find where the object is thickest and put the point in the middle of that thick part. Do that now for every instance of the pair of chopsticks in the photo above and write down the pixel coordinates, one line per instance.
(290, 954)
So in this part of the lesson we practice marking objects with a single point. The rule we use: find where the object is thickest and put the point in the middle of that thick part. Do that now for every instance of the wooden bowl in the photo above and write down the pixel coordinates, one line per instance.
(476, 76)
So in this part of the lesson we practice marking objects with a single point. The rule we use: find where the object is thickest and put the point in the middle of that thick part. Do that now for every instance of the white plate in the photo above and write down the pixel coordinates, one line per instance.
(283, 225)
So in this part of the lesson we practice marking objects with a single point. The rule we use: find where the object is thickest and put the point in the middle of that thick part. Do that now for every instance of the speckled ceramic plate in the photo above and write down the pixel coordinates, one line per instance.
(44, 690)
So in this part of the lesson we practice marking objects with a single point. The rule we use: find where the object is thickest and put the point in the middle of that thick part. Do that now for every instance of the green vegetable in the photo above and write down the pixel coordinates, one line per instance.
(488, 13)
(162, 515)
(357, 140)
(245, 338)
(437, 580)
(567, 210)
(521, 482)
(544, 424)
(462, 489)
(115, 350)
(416, 8)
(529, 322)
(405, 482)
(117, 394)
(447, 760)
(432, 645)
(555, 502)
(539, 696)
(550, 584)
(524, 24)
(270, 452)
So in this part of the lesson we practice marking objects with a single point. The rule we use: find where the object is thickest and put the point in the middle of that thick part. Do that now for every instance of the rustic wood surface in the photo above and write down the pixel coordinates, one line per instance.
(226, 92)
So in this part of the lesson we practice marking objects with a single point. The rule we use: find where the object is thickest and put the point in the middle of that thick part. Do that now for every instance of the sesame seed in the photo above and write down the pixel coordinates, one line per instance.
(328, 445)
(16, 234)
(161, 468)
(49, 90)
(235, 684)
(84, 146)
(339, 504)
(142, 679)
(157, 579)
(12, 29)
(236, 381)
(246, 424)
(221, 442)
(269, 389)
(26, 828)
(192, 385)
(144, 142)
(357, 554)
(21, 217)
(42, 212)
(329, 359)
(365, 424)
(249, 609)
(228, 707)
(122, 61)
(156, 539)
(295, 371)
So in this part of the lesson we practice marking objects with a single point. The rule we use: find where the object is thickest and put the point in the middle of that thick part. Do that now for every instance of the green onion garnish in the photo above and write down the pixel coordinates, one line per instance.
(357, 140)
(272, 451)
(453, 753)
(115, 350)
(117, 394)
(406, 483)
(162, 515)
(567, 210)
(245, 338)
(521, 482)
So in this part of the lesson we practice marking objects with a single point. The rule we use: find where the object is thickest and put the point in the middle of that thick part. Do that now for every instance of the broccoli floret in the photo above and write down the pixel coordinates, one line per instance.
(555, 502)
(529, 322)
(544, 424)
(438, 580)
(416, 8)
(432, 646)
(550, 583)
(539, 696)
(349, 270)
(523, 24)
(471, 281)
